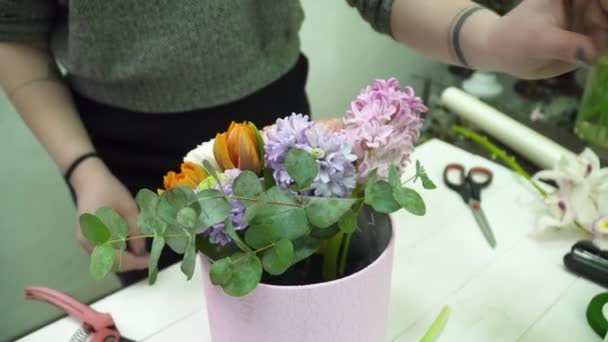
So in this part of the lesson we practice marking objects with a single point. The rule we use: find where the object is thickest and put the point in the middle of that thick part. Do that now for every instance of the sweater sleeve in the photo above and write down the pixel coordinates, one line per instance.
(26, 20)
(376, 12)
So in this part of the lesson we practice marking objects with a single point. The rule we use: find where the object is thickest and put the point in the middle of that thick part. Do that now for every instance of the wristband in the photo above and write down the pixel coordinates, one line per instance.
(75, 163)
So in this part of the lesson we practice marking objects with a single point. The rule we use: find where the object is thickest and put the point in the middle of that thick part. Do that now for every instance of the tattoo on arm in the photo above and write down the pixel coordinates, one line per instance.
(454, 34)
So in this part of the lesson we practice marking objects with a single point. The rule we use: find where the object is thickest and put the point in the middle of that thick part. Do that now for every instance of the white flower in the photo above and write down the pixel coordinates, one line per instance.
(202, 152)
(582, 194)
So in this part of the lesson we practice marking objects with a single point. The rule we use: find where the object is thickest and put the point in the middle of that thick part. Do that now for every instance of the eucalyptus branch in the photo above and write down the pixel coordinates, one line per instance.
(254, 252)
(147, 236)
(499, 153)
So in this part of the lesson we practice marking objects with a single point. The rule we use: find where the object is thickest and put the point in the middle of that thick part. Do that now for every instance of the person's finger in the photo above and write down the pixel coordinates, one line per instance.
(569, 47)
(550, 70)
(131, 262)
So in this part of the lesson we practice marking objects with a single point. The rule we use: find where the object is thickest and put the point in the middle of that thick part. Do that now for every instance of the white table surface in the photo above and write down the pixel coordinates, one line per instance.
(518, 292)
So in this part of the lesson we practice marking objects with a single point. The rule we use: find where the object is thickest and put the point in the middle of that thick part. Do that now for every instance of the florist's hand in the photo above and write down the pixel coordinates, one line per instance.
(96, 187)
(545, 38)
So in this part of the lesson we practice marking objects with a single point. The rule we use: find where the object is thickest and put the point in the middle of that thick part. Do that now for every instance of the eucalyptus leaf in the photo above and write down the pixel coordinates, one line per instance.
(301, 167)
(214, 251)
(214, 208)
(290, 222)
(410, 200)
(149, 224)
(251, 212)
(117, 224)
(186, 217)
(189, 260)
(221, 271)
(247, 185)
(102, 260)
(235, 237)
(323, 212)
(212, 171)
(275, 200)
(278, 259)
(94, 230)
(147, 201)
(348, 222)
(380, 197)
(393, 176)
(246, 274)
(176, 238)
(157, 247)
(170, 203)
(369, 182)
(427, 183)
(304, 247)
(261, 235)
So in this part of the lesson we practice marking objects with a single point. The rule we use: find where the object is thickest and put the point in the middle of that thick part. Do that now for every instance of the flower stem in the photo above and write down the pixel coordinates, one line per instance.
(331, 257)
(347, 239)
(499, 153)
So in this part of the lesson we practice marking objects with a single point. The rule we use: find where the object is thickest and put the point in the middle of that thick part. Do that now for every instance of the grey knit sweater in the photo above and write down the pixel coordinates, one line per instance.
(169, 56)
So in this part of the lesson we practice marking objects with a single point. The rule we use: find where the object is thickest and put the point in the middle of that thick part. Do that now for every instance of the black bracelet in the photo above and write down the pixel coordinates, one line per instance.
(454, 34)
(75, 163)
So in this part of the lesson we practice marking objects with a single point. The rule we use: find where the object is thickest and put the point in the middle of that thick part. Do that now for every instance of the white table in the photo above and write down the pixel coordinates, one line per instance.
(518, 292)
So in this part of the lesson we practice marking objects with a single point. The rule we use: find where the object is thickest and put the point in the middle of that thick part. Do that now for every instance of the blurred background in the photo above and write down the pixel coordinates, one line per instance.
(37, 219)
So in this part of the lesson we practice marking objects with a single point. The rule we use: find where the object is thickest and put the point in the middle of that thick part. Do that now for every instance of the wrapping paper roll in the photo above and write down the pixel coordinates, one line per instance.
(537, 148)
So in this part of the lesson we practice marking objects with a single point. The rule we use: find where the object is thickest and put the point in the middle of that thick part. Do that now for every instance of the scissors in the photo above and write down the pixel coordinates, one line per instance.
(96, 326)
(469, 187)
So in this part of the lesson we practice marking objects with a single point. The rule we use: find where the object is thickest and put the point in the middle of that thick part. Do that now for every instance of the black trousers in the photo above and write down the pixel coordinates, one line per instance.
(139, 148)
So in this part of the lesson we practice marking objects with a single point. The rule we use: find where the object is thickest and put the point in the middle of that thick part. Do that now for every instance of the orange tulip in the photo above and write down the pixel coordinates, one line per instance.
(238, 148)
(191, 175)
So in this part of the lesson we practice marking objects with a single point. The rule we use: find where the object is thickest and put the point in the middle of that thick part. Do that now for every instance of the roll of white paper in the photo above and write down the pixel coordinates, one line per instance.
(537, 148)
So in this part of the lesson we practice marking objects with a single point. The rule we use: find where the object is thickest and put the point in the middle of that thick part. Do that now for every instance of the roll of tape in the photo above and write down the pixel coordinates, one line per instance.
(595, 314)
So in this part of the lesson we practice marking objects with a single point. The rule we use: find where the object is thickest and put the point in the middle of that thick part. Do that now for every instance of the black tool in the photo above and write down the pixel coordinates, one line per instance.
(588, 261)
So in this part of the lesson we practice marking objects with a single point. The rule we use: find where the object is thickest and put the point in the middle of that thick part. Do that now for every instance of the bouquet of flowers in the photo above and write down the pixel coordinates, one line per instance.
(259, 203)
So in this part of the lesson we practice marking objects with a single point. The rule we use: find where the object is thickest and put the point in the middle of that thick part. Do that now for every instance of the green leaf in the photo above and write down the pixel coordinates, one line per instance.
(102, 260)
(427, 183)
(189, 261)
(214, 208)
(348, 222)
(304, 247)
(302, 167)
(277, 260)
(186, 217)
(259, 138)
(117, 225)
(291, 223)
(325, 233)
(269, 181)
(323, 212)
(380, 197)
(157, 247)
(369, 182)
(261, 235)
(147, 201)
(171, 202)
(251, 212)
(410, 200)
(149, 224)
(235, 237)
(221, 272)
(177, 239)
(94, 230)
(393, 176)
(246, 274)
(275, 200)
(213, 251)
(211, 170)
(248, 185)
